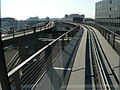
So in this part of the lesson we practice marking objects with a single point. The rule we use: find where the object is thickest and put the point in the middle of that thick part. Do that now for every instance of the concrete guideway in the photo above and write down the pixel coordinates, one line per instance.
(82, 76)
(108, 57)
(112, 56)
(77, 78)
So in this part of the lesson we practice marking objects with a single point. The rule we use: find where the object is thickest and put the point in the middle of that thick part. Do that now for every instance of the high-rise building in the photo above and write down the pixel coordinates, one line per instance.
(108, 14)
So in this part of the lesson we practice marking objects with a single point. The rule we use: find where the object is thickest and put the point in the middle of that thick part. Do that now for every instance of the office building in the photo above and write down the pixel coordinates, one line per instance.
(108, 14)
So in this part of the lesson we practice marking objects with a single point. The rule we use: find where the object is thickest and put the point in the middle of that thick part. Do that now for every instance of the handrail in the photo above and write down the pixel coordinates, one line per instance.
(29, 27)
(103, 28)
(70, 23)
(38, 52)
(13, 33)
(100, 66)
(108, 30)
(100, 72)
(112, 38)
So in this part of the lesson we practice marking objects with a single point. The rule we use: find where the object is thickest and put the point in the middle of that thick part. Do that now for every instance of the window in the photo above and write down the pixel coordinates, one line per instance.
(110, 16)
(110, 2)
(110, 9)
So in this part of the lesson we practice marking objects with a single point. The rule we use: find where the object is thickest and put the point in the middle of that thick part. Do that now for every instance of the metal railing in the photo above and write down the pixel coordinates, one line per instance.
(100, 64)
(101, 80)
(25, 76)
(22, 32)
(112, 38)
(13, 62)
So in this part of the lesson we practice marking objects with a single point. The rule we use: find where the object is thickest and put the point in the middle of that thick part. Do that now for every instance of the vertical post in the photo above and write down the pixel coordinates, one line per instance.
(13, 33)
(105, 34)
(102, 31)
(34, 29)
(3, 70)
(114, 41)
(24, 32)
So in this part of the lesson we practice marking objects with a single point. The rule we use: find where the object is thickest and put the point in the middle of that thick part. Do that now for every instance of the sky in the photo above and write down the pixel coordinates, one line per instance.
(23, 9)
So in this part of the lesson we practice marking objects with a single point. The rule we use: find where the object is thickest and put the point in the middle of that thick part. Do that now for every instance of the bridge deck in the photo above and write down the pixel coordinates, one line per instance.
(78, 78)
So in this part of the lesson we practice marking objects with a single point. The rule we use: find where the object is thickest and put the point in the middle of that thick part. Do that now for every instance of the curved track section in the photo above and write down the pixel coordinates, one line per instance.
(104, 75)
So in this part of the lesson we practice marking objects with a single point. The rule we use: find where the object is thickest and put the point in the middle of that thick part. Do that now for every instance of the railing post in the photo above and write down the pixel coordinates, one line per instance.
(34, 29)
(13, 33)
(24, 32)
(114, 41)
(4, 80)
(105, 34)
(102, 31)
(17, 80)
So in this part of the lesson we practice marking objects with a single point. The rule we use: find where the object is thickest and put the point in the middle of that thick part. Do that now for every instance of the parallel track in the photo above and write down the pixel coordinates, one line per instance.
(104, 75)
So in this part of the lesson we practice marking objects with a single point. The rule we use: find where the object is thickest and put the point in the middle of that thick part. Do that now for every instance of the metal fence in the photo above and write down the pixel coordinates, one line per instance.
(112, 38)
(16, 33)
(25, 76)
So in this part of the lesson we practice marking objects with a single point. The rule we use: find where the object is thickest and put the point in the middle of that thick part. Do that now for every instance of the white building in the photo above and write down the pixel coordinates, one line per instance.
(74, 18)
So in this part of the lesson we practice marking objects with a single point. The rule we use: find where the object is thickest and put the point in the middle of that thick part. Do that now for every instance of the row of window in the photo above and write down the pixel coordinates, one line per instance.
(108, 9)
(109, 24)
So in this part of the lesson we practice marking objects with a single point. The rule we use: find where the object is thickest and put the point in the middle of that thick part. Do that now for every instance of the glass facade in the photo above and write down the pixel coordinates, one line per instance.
(108, 14)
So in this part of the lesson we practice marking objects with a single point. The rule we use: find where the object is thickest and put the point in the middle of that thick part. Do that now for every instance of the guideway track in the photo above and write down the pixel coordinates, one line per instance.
(104, 76)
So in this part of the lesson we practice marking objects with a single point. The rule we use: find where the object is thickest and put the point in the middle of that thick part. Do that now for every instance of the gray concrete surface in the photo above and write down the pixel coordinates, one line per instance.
(57, 77)
(77, 78)
(112, 56)
(9, 53)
